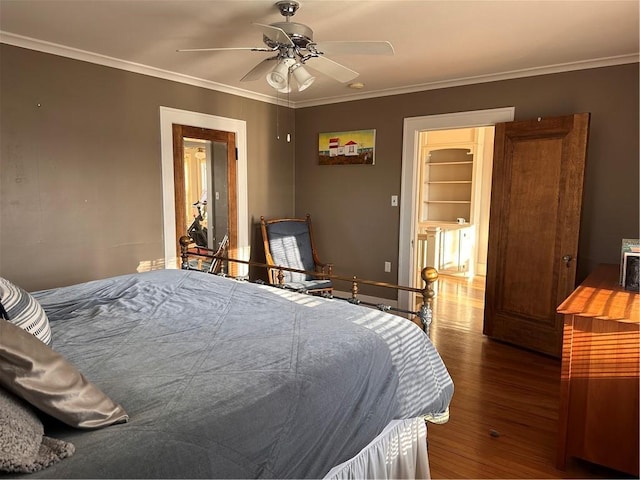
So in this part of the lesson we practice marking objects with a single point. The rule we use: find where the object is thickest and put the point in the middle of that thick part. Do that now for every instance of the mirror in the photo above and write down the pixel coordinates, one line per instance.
(206, 192)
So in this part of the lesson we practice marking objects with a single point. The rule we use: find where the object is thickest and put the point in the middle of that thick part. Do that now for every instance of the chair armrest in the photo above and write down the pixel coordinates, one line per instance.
(324, 268)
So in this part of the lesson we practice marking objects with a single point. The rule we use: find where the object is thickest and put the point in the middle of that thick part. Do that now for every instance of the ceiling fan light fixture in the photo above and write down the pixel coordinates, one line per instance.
(200, 155)
(278, 78)
(303, 78)
(286, 89)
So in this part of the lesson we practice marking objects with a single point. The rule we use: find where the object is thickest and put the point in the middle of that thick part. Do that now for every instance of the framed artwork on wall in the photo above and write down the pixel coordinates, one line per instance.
(631, 271)
(355, 147)
(629, 245)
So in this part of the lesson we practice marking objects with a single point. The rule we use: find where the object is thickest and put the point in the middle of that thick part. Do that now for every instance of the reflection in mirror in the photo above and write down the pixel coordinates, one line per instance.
(196, 155)
(206, 191)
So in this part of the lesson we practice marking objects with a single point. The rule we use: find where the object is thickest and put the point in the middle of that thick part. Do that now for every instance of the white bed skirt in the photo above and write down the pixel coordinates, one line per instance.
(400, 451)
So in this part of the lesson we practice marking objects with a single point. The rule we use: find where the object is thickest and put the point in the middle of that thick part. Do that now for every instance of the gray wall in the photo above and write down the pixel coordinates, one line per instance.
(81, 189)
(356, 226)
(81, 177)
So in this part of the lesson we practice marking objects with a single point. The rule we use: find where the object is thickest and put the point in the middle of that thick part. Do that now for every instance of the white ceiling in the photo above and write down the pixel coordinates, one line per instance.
(437, 42)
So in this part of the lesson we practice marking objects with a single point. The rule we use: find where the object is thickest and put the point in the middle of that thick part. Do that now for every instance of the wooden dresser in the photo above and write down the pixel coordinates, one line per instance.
(599, 400)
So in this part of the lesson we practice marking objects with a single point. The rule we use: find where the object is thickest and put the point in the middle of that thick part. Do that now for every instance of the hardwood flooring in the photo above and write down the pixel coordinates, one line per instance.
(504, 412)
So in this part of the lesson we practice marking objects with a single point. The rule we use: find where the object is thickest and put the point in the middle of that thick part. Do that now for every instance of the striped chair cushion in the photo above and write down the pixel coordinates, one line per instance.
(21, 309)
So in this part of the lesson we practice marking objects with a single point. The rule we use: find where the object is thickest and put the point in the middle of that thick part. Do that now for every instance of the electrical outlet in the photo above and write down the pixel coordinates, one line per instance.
(387, 267)
(394, 200)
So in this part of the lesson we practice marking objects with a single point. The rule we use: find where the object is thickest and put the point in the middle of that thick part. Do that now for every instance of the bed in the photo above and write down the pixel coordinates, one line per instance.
(223, 378)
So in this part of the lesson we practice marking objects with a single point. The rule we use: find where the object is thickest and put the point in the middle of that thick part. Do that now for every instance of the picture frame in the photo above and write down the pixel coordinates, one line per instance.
(351, 147)
(629, 245)
(631, 271)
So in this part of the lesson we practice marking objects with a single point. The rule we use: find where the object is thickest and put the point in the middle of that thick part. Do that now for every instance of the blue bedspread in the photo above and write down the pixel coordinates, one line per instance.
(227, 379)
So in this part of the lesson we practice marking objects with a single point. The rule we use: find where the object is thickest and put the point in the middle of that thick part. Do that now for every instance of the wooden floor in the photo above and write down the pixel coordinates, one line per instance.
(504, 412)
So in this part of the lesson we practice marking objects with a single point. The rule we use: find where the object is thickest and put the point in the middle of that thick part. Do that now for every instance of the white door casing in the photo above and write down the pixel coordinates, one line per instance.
(170, 116)
(410, 177)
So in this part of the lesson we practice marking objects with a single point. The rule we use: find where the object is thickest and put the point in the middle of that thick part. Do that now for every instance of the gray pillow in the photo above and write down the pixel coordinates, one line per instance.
(19, 307)
(41, 376)
(23, 446)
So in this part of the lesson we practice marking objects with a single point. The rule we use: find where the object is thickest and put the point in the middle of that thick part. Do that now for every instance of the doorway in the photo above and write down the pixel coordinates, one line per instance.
(453, 200)
(170, 117)
(411, 179)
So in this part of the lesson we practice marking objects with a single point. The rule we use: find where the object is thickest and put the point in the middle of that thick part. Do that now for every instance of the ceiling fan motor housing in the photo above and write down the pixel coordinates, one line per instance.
(300, 34)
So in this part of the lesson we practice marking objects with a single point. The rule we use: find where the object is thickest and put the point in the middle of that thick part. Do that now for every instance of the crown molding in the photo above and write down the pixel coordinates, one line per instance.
(91, 57)
(86, 56)
(494, 77)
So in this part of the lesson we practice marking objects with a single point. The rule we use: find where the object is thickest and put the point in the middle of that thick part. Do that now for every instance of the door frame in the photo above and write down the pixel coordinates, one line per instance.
(170, 116)
(409, 188)
(180, 133)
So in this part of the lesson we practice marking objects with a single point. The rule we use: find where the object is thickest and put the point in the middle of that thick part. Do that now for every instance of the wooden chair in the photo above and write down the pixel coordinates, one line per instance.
(288, 242)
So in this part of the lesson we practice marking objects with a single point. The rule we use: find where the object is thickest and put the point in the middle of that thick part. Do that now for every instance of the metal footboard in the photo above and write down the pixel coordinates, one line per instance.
(422, 317)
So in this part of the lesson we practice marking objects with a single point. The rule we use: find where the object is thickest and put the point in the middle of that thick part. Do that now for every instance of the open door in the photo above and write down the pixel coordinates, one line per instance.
(538, 177)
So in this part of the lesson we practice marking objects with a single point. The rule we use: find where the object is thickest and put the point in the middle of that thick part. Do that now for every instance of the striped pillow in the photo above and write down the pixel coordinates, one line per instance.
(21, 309)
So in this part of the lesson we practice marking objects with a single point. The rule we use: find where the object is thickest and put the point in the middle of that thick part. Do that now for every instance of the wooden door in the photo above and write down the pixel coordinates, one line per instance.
(180, 132)
(538, 177)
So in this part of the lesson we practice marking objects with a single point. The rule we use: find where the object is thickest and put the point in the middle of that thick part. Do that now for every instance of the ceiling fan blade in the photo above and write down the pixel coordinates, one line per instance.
(221, 49)
(260, 70)
(276, 34)
(355, 48)
(332, 69)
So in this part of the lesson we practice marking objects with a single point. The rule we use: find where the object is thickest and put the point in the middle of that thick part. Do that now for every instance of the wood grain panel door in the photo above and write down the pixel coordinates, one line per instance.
(538, 177)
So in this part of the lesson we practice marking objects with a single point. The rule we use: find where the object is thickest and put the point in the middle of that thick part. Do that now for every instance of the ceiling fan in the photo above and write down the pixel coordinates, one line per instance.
(294, 47)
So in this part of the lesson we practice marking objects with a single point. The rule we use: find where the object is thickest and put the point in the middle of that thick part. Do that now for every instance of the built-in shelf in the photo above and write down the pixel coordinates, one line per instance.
(450, 181)
(447, 183)
(437, 164)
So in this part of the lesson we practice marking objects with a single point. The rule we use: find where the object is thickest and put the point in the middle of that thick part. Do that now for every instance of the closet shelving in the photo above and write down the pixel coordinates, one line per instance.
(447, 183)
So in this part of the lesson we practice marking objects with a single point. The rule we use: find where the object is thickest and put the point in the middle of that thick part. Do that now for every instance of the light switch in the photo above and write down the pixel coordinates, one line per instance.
(394, 200)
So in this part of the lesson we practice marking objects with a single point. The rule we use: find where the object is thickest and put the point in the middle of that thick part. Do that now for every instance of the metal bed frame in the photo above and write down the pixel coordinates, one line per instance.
(422, 317)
